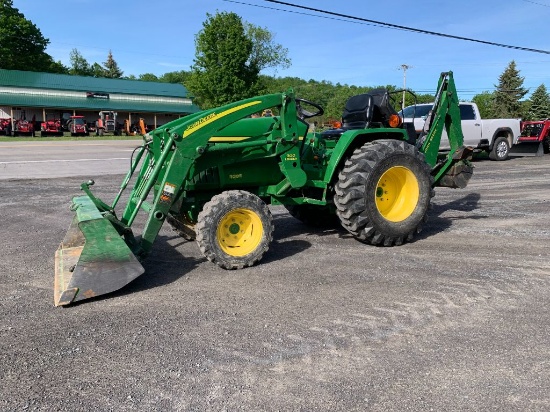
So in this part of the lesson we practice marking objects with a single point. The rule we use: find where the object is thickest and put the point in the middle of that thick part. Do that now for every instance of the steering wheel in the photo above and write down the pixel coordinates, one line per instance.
(306, 114)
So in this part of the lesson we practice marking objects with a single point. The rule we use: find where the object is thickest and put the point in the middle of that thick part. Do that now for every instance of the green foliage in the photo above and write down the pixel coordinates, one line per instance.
(148, 77)
(98, 70)
(509, 92)
(485, 103)
(79, 65)
(220, 72)
(175, 77)
(58, 67)
(22, 45)
(228, 59)
(539, 104)
(265, 53)
(112, 70)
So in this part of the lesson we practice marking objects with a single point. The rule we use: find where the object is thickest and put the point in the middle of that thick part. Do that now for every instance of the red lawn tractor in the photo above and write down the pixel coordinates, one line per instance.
(23, 127)
(77, 126)
(5, 126)
(535, 135)
(51, 127)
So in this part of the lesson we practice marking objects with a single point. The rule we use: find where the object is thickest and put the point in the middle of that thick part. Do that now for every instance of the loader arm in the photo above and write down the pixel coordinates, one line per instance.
(167, 157)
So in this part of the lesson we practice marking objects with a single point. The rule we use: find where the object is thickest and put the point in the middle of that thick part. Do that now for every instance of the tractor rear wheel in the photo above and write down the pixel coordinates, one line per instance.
(234, 229)
(383, 192)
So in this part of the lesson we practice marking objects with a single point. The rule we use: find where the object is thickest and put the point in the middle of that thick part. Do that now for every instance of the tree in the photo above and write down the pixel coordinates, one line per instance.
(57, 67)
(98, 70)
(485, 103)
(79, 65)
(22, 45)
(509, 92)
(148, 77)
(111, 67)
(540, 104)
(175, 77)
(265, 53)
(228, 59)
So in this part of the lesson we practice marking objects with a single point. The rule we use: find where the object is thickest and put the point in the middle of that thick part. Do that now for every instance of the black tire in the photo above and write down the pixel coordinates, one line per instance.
(389, 171)
(234, 229)
(313, 215)
(546, 145)
(500, 149)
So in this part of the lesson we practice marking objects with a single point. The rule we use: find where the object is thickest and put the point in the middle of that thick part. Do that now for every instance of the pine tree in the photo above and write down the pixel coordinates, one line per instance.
(509, 92)
(540, 104)
(111, 67)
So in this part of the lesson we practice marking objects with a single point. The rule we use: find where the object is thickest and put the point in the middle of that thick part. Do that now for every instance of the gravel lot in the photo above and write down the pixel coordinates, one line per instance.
(458, 320)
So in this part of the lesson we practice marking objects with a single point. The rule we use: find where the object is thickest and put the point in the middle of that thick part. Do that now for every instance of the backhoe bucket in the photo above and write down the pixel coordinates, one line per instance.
(527, 149)
(93, 258)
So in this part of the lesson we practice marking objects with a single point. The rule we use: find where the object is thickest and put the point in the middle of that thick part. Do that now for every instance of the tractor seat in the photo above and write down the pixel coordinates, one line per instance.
(357, 114)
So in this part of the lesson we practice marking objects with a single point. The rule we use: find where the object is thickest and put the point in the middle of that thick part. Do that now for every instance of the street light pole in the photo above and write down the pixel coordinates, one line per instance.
(404, 67)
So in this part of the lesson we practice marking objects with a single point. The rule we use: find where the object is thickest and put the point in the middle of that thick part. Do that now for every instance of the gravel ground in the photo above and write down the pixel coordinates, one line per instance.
(455, 321)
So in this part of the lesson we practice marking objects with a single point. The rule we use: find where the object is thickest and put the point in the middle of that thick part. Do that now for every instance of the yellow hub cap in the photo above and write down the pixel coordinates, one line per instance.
(397, 193)
(240, 232)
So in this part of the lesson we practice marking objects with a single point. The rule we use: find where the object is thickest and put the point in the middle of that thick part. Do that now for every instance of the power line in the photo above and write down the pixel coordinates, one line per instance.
(411, 29)
(534, 2)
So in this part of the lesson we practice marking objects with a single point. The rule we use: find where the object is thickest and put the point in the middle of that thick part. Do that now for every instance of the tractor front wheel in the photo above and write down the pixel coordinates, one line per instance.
(383, 192)
(234, 229)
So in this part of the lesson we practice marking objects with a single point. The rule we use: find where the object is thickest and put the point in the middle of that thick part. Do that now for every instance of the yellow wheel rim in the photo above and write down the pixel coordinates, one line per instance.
(240, 232)
(397, 193)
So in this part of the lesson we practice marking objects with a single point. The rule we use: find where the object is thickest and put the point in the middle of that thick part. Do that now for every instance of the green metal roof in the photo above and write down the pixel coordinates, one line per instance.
(17, 78)
(96, 104)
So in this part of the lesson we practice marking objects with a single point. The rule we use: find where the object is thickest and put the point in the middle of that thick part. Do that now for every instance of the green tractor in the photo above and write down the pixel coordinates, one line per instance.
(213, 174)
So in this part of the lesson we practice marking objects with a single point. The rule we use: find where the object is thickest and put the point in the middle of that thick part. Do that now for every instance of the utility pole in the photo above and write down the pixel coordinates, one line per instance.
(404, 67)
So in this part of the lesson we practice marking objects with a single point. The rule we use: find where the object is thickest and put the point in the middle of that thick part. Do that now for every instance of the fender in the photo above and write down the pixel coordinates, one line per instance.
(352, 139)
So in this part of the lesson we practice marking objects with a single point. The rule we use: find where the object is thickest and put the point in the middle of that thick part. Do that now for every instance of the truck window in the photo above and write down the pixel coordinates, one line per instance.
(467, 112)
(417, 111)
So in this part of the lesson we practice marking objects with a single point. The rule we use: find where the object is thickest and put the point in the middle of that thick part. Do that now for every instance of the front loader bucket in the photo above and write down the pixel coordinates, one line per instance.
(527, 149)
(93, 258)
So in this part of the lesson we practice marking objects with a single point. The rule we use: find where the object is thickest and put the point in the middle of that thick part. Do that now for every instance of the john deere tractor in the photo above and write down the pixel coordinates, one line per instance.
(213, 174)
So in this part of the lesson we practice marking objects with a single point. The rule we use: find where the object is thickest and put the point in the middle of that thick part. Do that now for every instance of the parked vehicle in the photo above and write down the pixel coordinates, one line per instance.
(5, 126)
(77, 126)
(106, 124)
(212, 175)
(23, 127)
(494, 136)
(51, 127)
(534, 139)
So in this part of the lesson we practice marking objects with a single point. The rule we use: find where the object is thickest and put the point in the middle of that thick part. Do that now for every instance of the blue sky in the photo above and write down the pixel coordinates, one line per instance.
(158, 37)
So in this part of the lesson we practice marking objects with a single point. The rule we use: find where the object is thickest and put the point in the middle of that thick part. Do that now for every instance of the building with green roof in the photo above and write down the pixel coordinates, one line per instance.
(40, 96)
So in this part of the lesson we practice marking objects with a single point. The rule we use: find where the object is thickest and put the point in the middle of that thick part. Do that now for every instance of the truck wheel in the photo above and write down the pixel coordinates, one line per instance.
(234, 229)
(546, 144)
(500, 149)
(383, 193)
(312, 215)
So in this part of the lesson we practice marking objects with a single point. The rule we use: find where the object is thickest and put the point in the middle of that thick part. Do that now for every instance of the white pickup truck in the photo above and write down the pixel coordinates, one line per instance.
(495, 136)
